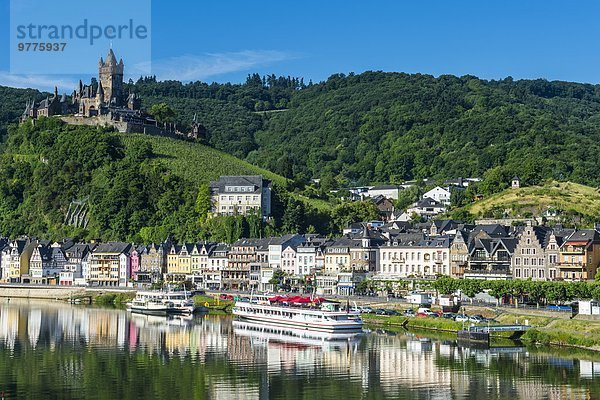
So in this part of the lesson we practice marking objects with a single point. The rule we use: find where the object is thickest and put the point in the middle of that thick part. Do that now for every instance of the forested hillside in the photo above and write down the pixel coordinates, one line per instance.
(139, 188)
(12, 104)
(389, 127)
(381, 127)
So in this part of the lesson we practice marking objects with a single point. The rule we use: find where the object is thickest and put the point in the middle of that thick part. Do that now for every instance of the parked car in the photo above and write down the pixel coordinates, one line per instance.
(448, 315)
(392, 312)
(461, 318)
(224, 296)
(476, 319)
(426, 312)
(380, 311)
(409, 312)
(367, 309)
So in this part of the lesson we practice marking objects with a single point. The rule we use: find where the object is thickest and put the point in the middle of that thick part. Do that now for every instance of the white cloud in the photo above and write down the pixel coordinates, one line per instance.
(42, 82)
(199, 67)
(182, 68)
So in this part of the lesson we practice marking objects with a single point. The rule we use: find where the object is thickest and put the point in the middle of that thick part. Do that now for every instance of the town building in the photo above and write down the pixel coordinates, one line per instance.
(579, 256)
(217, 261)
(439, 194)
(153, 263)
(426, 208)
(236, 275)
(529, 259)
(490, 258)
(233, 195)
(414, 255)
(109, 264)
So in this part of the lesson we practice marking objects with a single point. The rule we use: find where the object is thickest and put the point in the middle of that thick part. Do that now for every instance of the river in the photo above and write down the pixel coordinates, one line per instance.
(52, 350)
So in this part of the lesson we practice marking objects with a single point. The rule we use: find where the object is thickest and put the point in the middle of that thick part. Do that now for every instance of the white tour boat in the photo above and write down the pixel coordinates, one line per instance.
(150, 303)
(317, 314)
(183, 303)
(174, 302)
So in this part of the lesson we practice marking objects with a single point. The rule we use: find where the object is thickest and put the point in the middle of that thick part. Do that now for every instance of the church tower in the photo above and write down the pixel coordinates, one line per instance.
(111, 77)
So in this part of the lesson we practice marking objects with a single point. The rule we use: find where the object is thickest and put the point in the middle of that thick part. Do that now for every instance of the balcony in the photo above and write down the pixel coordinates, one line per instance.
(570, 265)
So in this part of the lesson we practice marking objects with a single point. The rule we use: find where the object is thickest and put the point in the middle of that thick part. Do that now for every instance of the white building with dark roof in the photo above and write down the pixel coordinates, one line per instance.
(241, 195)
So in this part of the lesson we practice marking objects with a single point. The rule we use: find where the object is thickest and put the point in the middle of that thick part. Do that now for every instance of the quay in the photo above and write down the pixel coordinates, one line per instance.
(66, 293)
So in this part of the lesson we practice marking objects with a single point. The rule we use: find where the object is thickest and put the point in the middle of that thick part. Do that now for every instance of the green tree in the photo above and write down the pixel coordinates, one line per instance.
(203, 204)
(163, 113)
(350, 212)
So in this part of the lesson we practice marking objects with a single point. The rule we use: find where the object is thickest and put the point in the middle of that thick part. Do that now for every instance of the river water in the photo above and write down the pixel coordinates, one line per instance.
(54, 350)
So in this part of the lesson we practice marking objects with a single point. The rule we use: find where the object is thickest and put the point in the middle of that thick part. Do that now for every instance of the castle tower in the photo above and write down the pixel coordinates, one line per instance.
(110, 74)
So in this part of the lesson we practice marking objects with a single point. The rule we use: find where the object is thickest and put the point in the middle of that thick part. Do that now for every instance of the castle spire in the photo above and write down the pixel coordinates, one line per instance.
(100, 93)
(110, 58)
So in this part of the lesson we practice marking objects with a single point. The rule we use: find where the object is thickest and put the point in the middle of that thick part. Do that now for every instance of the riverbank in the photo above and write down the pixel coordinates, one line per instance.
(65, 293)
(547, 330)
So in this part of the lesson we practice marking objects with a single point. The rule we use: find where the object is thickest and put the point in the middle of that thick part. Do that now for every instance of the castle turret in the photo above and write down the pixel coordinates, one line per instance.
(100, 94)
(111, 75)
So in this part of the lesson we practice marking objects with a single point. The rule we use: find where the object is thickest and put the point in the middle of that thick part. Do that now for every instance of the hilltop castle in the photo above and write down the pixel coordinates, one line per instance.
(104, 102)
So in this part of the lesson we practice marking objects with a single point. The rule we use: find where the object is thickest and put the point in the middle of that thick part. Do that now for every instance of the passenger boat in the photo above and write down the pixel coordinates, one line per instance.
(308, 313)
(149, 303)
(183, 303)
(174, 302)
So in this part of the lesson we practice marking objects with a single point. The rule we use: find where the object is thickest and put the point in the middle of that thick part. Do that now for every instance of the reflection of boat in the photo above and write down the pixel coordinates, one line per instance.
(34, 324)
(149, 303)
(298, 312)
(293, 336)
(148, 320)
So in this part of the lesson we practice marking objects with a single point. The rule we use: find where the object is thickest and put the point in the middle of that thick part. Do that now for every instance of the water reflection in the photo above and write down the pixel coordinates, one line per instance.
(53, 350)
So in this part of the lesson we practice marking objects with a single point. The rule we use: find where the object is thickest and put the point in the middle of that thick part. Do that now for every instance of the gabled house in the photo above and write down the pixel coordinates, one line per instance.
(385, 207)
(39, 265)
(439, 194)
(73, 272)
(179, 263)
(20, 254)
(490, 258)
(529, 260)
(135, 262)
(459, 254)
(153, 263)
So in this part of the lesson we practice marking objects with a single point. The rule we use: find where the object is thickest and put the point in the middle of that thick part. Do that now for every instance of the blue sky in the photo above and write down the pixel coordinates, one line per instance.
(225, 40)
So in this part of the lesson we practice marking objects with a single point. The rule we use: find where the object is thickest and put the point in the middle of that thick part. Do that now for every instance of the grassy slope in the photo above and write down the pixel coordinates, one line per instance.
(200, 164)
(561, 195)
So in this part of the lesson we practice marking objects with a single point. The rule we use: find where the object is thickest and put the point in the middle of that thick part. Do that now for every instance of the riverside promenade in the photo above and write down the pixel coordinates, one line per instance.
(55, 292)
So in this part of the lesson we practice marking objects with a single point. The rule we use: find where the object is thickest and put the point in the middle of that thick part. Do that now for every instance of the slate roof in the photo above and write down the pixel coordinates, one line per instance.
(112, 247)
(384, 187)
(427, 202)
(256, 181)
